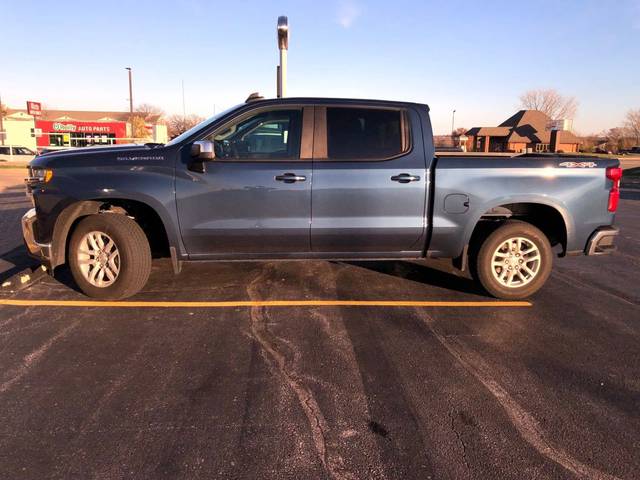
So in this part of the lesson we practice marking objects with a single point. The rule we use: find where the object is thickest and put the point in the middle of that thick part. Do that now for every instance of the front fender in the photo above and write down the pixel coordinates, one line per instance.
(76, 192)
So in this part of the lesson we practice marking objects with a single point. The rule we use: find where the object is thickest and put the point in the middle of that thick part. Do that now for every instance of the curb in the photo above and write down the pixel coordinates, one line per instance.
(24, 279)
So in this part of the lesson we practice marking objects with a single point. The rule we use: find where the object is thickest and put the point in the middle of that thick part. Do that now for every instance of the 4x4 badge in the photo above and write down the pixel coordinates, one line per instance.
(578, 164)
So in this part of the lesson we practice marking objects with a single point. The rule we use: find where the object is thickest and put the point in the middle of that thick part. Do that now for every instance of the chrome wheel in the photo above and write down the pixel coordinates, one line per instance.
(516, 262)
(98, 259)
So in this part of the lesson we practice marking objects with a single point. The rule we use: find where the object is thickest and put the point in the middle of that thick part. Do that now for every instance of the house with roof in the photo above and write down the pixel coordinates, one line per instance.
(527, 130)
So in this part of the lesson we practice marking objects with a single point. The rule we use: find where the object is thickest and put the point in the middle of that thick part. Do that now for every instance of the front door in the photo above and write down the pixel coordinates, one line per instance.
(254, 199)
(369, 182)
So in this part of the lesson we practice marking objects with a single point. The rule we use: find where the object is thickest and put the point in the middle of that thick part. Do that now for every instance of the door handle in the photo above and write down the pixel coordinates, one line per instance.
(405, 178)
(290, 178)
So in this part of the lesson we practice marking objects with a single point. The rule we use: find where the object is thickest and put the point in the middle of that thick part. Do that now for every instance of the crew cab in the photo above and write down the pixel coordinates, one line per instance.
(315, 178)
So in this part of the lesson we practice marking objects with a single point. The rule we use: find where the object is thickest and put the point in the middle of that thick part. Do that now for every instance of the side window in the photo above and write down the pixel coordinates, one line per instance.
(4, 150)
(365, 133)
(272, 134)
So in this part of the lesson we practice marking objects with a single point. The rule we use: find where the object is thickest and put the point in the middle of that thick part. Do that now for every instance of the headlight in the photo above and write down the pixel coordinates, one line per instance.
(39, 175)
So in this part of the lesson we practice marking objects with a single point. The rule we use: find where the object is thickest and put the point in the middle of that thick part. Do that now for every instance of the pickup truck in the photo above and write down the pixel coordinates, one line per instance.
(315, 178)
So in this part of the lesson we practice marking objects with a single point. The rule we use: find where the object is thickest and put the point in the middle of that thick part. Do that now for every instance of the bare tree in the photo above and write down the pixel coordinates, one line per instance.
(145, 110)
(456, 134)
(632, 123)
(3, 111)
(139, 128)
(178, 124)
(550, 102)
(617, 139)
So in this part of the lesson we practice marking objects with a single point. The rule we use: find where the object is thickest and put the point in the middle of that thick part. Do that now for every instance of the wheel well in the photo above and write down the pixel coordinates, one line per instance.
(143, 214)
(546, 218)
(147, 218)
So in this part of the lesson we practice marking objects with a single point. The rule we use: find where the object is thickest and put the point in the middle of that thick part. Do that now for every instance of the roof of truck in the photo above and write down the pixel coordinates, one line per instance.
(335, 100)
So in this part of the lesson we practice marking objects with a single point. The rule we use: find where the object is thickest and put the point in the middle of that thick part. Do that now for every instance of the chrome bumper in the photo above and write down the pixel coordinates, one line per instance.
(38, 250)
(601, 241)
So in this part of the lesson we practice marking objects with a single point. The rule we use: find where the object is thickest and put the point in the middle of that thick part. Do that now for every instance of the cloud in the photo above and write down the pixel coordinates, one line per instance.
(348, 12)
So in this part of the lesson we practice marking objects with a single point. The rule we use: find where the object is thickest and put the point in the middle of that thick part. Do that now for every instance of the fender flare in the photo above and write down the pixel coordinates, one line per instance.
(82, 208)
(533, 199)
(63, 224)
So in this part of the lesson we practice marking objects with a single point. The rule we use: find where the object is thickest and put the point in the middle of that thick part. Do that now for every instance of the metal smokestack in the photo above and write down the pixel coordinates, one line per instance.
(283, 46)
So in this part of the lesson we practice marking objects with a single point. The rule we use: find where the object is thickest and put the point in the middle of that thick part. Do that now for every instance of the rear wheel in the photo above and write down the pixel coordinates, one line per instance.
(514, 261)
(109, 256)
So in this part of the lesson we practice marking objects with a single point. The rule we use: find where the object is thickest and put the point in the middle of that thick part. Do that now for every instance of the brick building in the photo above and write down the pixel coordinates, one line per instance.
(526, 130)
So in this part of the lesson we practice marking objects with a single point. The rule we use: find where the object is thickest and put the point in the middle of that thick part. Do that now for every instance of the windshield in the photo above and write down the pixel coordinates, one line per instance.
(23, 151)
(200, 126)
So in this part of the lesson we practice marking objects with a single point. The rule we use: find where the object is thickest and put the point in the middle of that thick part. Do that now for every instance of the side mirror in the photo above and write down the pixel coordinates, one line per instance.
(203, 150)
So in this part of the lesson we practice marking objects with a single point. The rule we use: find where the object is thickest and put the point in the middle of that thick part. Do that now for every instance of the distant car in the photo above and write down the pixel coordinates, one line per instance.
(15, 153)
(601, 150)
(631, 151)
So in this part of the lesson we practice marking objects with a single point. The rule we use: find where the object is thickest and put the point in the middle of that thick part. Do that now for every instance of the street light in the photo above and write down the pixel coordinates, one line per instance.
(283, 46)
(130, 91)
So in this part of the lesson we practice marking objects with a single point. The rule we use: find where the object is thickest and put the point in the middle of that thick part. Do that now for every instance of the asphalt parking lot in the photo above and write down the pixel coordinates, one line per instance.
(544, 389)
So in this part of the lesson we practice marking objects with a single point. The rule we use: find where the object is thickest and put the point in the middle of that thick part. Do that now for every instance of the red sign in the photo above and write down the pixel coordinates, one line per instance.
(34, 108)
(76, 129)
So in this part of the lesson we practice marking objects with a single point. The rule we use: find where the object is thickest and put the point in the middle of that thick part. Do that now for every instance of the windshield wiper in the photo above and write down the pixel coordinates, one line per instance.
(153, 144)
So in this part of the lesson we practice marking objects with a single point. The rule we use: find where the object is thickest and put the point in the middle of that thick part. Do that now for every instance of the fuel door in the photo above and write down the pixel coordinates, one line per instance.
(456, 203)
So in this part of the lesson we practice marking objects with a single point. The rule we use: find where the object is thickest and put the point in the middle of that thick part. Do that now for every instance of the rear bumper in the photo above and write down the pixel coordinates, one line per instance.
(601, 241)
(41, 251)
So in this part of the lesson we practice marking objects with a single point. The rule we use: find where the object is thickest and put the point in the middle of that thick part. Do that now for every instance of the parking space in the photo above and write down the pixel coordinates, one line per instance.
(360, 370)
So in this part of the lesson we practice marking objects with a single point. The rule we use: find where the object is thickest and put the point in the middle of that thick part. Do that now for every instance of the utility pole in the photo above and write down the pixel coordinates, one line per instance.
(453, 122)
(283, 46)
(130, 91)
(1, 123)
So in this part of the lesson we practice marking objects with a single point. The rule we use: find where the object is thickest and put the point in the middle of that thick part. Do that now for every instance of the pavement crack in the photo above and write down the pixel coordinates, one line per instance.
(571, 279)
(526, 425)
(14, 318)
(331, 462)
(460, 441)
(34, 357)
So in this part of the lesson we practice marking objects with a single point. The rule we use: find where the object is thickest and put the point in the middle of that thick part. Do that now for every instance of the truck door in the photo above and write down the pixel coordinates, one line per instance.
(369, 182)
(254, 198)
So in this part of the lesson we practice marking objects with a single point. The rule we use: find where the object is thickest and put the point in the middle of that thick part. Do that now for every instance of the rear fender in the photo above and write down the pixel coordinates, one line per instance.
(535, 199)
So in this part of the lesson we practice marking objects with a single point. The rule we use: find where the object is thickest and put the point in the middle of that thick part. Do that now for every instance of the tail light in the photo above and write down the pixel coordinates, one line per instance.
(615, 175)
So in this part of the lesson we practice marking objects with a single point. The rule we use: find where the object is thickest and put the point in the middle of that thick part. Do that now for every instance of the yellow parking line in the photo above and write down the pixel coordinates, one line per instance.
(258, 303)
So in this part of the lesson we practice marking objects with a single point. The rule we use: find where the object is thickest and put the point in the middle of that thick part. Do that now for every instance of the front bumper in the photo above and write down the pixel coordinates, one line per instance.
(601, 241)
(41, 251)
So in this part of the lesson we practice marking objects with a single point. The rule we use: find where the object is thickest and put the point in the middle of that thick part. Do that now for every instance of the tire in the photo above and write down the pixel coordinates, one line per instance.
(522, 274)
(121, 271)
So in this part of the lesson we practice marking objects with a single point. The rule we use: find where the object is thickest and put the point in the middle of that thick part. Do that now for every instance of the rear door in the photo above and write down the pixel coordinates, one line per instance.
(369, 181)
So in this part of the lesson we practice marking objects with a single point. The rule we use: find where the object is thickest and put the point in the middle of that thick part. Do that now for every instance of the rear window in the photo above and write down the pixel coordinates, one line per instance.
(364, 133)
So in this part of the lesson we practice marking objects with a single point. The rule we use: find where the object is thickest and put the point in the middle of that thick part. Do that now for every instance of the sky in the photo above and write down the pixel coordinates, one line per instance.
(474, 57)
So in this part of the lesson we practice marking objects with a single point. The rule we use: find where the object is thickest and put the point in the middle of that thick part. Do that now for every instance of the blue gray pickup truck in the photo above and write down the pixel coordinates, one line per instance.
(315, 178)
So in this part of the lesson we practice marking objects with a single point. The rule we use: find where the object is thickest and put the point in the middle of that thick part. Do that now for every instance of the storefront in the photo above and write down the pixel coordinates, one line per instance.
(53, 129)
(79, 134)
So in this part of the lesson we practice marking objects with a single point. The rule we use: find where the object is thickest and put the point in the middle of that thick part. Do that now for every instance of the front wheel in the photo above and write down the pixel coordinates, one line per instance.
(109, 256)
(514, 261)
